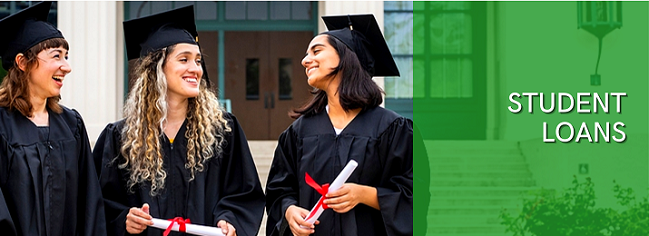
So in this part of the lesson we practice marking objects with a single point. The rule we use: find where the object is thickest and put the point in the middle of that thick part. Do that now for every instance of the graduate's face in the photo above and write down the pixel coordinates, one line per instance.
(320, 60)
(183, 71)
(46, 77)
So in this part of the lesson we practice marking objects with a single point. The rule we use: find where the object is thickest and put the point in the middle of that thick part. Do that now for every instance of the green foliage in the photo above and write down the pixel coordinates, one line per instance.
(634, 220)
(573, 213)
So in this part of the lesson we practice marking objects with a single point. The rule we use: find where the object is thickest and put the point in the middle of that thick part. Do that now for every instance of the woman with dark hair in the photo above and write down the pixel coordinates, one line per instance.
(344, 122)
(48, 184)
(177, 153)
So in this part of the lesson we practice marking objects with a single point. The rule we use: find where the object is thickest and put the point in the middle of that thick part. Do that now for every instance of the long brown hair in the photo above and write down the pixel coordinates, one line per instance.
(356, 89)
(14, 90)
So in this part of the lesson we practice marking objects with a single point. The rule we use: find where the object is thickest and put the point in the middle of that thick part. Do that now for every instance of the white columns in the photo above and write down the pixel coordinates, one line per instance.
(95, 86)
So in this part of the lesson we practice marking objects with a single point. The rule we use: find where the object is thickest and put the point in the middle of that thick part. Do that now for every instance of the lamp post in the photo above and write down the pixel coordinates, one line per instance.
(599, 19)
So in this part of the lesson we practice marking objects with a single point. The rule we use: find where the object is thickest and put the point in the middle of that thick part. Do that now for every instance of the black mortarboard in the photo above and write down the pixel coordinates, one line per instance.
(154, 32)
(362, 35)
(25, 29)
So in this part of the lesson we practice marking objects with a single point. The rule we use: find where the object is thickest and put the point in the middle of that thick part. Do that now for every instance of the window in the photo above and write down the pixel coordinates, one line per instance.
(252, 79)
(285, 75)
(398, 34)
(235, 10)
(453, 50)
(451, 39)
(398, 23)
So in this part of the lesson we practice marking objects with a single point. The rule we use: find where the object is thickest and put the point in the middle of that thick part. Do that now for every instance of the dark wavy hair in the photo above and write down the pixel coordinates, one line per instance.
(356, 89)
(14, 90)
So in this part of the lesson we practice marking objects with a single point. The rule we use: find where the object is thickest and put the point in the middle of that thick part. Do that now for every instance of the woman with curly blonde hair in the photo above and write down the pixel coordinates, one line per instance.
(177, 153)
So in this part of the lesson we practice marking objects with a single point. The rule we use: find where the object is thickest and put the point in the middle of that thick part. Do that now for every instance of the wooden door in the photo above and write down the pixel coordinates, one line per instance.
(264, 79)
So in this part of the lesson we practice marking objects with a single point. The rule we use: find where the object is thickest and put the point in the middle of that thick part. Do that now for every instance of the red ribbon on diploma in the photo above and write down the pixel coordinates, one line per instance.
(181, 225)
(320, 189)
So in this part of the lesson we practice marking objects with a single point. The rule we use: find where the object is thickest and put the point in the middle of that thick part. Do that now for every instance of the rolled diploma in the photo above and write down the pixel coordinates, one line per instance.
(189, 228)
(338, 182)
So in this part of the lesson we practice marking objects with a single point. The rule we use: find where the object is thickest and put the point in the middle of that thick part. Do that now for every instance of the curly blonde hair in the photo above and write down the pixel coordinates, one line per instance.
(146, 117)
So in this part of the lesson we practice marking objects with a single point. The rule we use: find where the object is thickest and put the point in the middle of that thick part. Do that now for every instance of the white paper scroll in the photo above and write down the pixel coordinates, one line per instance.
(189, 228)
(338, 182)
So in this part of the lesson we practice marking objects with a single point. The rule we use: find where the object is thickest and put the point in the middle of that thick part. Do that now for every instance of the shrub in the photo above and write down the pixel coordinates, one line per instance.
(574, 213)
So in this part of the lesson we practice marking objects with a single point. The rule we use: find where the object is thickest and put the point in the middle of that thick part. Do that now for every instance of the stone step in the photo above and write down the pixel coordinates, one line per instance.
(262, 146)
(262, 158)
(464, 219)
(481, 191)
(478, 167)
(439, 152)
(263, 161)
(472, 183)
(471, 144)
(481, 182)
(475, 201)
(477, 157)
(262, 164)
(469, 234)
(471, 147)
(465, 229)
(482, 174)
(262, 229)
(434, 210)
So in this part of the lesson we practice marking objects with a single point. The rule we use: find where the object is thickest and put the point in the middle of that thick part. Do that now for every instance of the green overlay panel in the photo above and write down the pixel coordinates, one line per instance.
(534, 118)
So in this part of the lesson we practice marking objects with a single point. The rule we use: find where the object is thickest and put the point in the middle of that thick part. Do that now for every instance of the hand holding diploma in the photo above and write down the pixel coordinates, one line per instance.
(183, 225)
(350, 195)
(295, 217)
(301, 222)
(325, 189)
(138, 219)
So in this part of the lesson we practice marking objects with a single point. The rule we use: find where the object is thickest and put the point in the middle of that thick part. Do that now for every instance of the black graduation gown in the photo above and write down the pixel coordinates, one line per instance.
(227, 189)
(378, 139)
(48, 184)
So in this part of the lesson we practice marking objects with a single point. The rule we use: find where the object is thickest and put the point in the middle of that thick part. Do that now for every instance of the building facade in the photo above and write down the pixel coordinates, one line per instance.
(253, 52)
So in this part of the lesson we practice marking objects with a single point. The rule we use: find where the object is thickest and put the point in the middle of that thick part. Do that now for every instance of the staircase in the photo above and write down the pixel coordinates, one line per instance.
(471, 181)
(262, 152)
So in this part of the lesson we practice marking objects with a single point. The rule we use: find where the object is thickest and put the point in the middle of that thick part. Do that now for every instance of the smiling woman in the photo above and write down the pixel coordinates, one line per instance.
(48, 184)
(183, 70)
(343, 122)
(177, 153)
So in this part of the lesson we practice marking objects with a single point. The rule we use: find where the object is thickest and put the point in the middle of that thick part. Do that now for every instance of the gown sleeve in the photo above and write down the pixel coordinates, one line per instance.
(6, 222)
(90, 206)
(395, 196)
(282, 189)
(106, 149)
(243, 201)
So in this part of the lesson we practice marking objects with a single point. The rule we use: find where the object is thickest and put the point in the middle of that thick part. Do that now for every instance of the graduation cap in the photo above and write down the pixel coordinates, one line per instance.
(362, 35)
(148, 34)
(151, 33)
(25, 29)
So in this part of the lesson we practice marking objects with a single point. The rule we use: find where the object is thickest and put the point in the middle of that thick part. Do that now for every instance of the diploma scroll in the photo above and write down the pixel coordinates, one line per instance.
(189, 228)
(338, 182)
